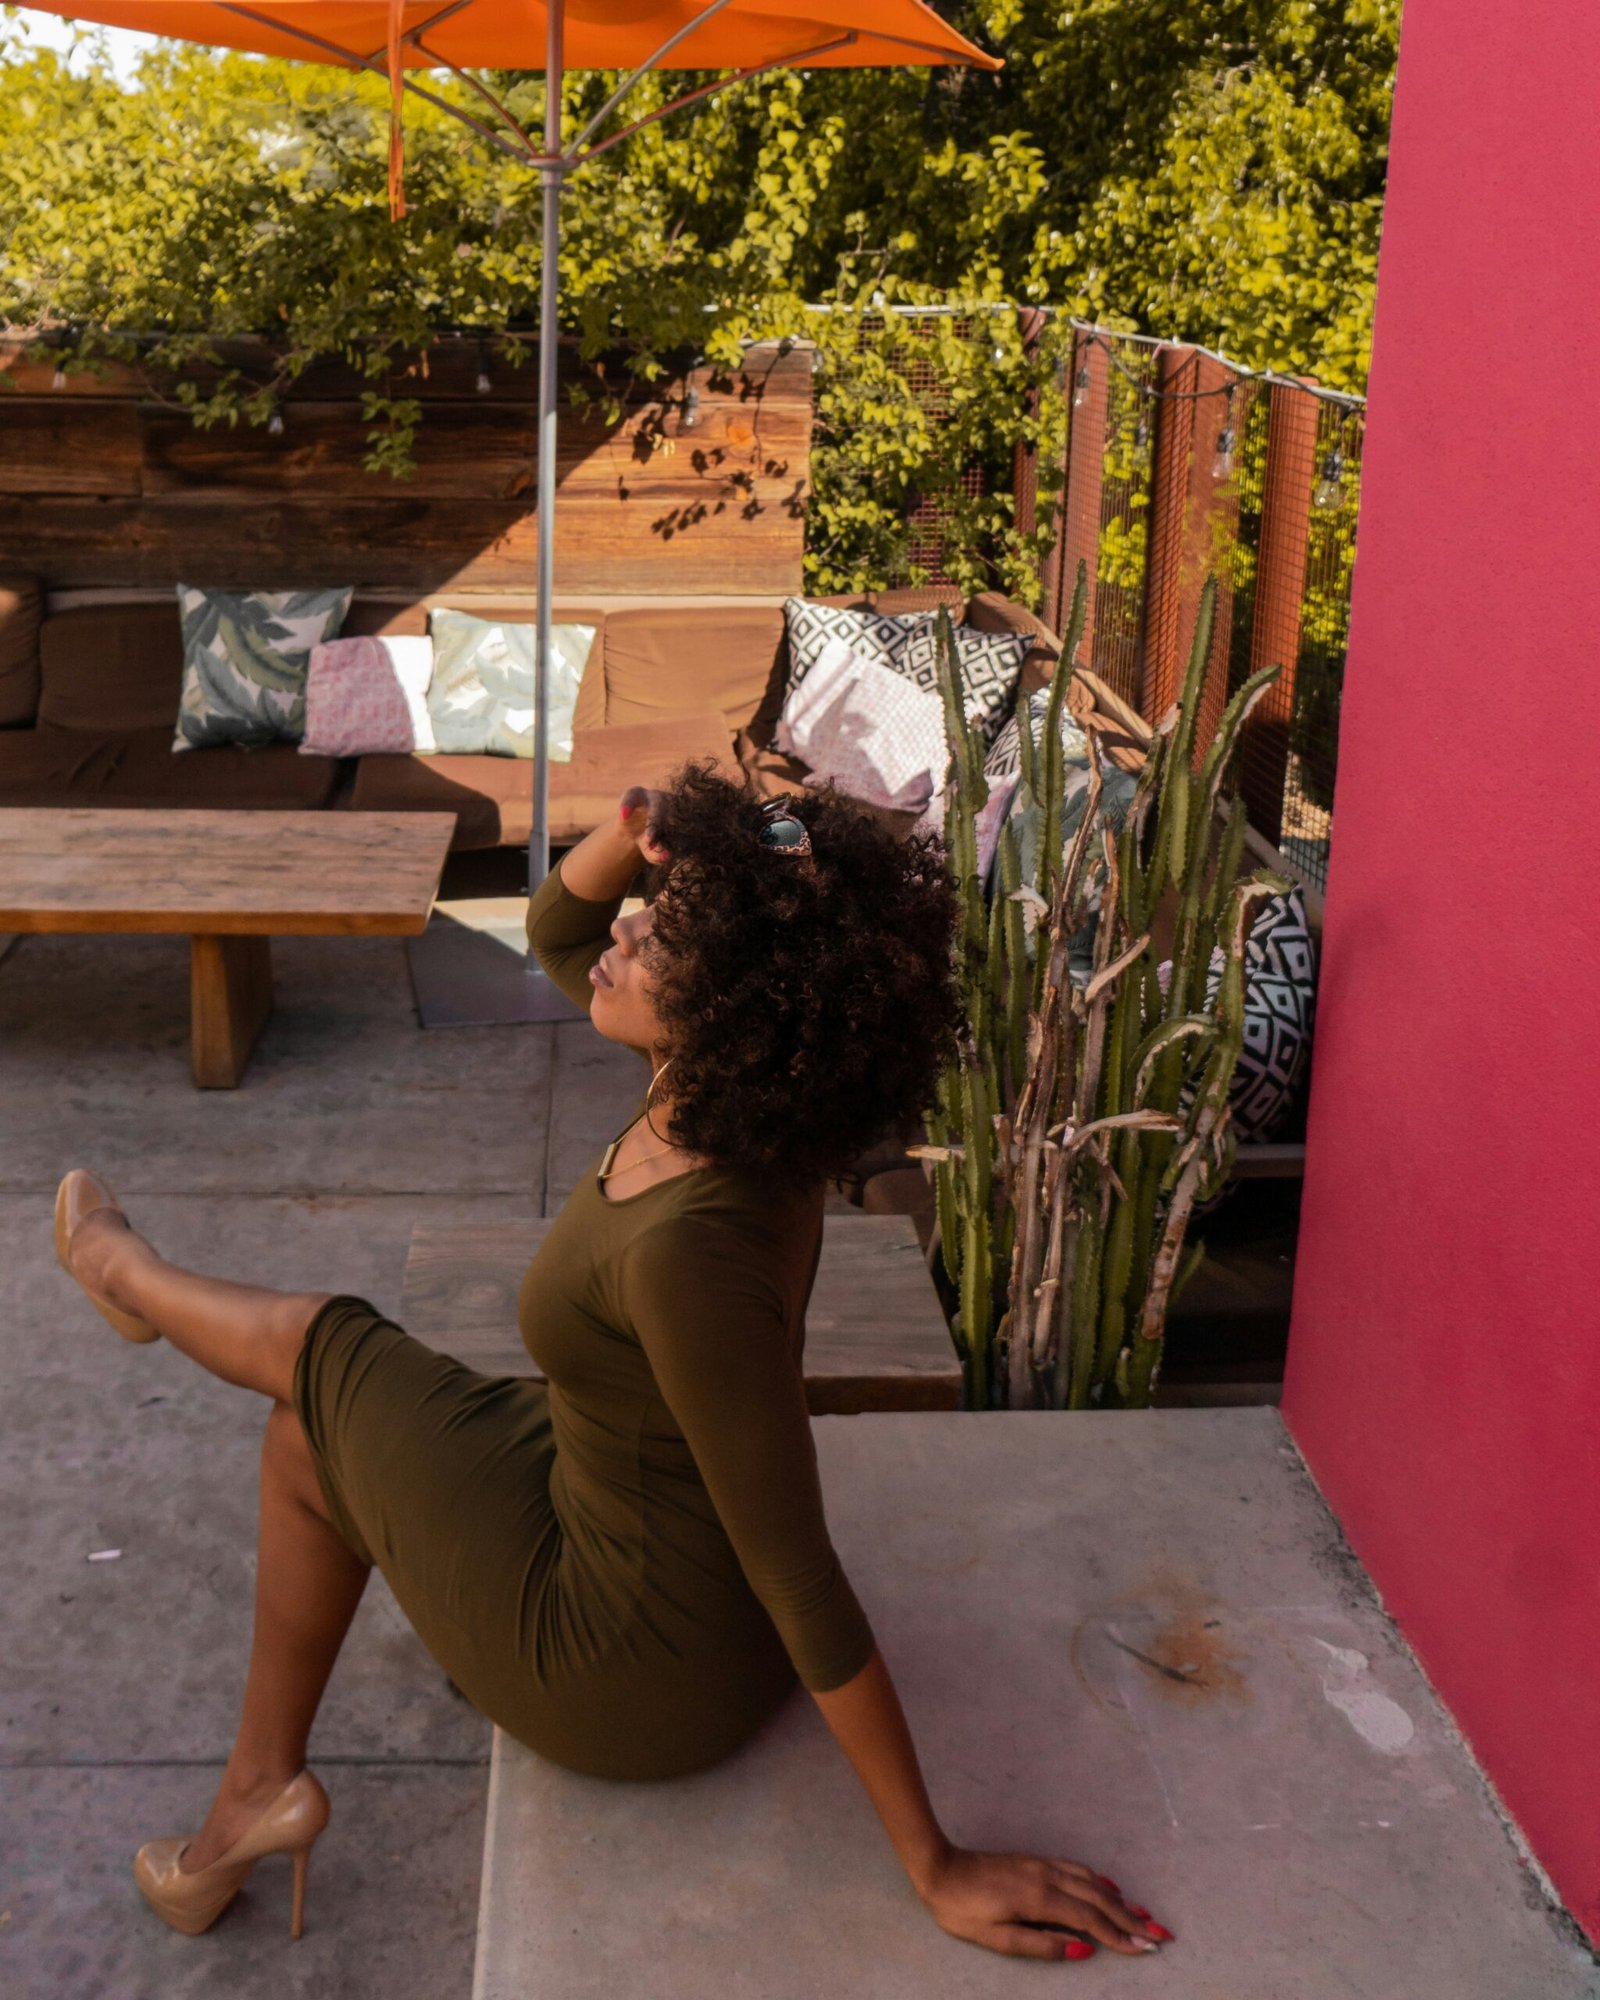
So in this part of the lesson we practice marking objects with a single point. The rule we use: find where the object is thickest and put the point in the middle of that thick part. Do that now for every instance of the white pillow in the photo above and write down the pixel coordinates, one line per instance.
(411, 657)
(866, 729)
(875, 635)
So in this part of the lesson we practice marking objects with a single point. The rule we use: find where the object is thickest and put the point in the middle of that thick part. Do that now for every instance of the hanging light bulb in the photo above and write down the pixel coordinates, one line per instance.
(59, 379)
(484, 385)
(1141, 429)
(1329, 490)
(1222, 463)
(1080, 387)
(275, 424)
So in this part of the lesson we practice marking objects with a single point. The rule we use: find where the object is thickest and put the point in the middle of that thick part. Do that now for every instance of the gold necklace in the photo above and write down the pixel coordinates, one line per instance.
(603, 1171)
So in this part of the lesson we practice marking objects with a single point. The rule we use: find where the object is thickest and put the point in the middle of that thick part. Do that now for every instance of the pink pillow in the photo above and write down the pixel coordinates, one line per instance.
(867, 729)
(357, 700)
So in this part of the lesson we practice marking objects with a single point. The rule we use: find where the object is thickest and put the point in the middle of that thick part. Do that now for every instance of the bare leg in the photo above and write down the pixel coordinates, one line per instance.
(308, 1584)
(246, 1334)
(308, 1580)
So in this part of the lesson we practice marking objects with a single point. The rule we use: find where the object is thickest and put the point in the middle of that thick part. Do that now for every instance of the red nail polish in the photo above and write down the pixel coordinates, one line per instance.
(1161, 1931)
(1135, 1911)
(1109, 1884)
(1078, 1948)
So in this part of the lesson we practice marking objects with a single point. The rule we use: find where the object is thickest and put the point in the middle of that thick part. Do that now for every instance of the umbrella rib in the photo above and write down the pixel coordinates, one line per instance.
(357, 61)
(424, 27)
(644, 69)
(483, 90)
(710, 90)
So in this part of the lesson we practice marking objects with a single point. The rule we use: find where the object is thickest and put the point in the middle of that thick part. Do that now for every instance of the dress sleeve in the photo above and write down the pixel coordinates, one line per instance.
(568, 933)
(712, 1322)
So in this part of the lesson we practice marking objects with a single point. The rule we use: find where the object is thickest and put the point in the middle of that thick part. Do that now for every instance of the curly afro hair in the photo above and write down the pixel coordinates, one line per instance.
(810, 1004)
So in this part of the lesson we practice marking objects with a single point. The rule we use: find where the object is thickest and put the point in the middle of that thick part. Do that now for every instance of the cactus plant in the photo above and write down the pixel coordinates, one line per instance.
(1087, 1111)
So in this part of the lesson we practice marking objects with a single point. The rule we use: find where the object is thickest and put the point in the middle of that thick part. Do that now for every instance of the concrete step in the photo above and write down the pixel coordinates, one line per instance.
(1136, 1640)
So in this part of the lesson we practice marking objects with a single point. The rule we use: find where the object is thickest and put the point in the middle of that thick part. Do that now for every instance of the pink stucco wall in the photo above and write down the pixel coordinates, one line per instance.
(1444, 1370)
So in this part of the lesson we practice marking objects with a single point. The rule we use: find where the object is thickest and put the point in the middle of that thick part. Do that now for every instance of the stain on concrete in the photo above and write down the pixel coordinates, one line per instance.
(1190, 1659)
(1374, 1717)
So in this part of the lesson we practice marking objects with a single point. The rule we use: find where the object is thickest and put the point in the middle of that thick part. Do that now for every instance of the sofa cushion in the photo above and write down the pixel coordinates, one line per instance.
(111, 667)
(138, 768)
(662, 663)
(895, 602)
(481, 696)
(245, 658)
(866, 729)
(369, 694)
(1280, 1002)
(989, 611)
(21, 614)
(771, 775)
(988, 670)
(492, 797)
(378, 617)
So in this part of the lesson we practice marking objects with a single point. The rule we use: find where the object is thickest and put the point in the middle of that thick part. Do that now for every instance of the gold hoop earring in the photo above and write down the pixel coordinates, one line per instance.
(649, 1098)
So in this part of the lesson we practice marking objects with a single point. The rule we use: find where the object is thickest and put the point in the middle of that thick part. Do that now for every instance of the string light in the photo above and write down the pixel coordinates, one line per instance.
(1080, 387)
(1141, 429)
(275, 424)
(1222, 463)
(59, 379)
(1329, 490)
(484, 385)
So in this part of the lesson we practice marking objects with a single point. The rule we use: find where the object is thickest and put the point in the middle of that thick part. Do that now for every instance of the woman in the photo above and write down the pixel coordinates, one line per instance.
(628, 1569)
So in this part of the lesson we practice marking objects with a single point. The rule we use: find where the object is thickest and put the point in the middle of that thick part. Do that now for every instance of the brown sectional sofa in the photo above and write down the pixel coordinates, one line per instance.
(89, 685)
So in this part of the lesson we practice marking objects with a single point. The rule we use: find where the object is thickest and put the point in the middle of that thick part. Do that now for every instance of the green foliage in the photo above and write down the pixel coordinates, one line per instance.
(1204, 169)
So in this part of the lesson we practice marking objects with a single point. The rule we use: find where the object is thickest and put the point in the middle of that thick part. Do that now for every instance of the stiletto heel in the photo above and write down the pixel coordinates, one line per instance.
(192, 1903)
(79, 1194)
(297, 1916)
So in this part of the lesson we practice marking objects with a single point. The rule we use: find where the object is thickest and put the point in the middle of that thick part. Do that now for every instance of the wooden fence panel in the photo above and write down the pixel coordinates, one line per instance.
(701, 487)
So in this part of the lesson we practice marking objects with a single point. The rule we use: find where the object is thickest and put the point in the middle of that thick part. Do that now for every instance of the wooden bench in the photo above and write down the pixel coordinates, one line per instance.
(230, 881)
(875, 1336)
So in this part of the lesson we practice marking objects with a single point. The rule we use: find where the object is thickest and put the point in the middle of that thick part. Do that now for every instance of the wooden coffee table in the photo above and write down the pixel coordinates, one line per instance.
(231, 881)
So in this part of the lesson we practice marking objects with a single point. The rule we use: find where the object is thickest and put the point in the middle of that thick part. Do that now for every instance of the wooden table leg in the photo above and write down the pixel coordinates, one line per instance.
(230, 997)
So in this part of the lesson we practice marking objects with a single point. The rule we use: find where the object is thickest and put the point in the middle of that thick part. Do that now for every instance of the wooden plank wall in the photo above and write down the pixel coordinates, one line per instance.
(701, 488)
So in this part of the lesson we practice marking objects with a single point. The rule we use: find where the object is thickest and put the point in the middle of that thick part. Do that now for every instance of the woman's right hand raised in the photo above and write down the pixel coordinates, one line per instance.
(636, 814)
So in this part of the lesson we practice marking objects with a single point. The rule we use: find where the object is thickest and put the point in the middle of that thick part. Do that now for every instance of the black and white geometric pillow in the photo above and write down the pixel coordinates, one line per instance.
(990, 666)
(879, 636)
(1005, 752)
(1280, 998)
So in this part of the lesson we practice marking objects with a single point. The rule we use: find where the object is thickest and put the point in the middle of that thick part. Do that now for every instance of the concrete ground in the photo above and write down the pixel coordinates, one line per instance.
(120, 1682)
(121, 1678)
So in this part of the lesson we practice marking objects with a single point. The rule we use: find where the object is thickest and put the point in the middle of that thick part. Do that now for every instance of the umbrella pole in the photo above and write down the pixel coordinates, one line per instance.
(551, 169)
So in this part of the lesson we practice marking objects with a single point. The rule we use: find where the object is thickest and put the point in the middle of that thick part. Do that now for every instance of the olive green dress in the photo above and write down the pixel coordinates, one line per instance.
(626, 1569)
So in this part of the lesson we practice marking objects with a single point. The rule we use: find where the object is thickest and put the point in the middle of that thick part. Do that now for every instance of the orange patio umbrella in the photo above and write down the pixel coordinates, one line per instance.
(399, 38)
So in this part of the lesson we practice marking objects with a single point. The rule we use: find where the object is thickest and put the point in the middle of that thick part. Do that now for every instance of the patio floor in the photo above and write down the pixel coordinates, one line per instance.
(122, 1676)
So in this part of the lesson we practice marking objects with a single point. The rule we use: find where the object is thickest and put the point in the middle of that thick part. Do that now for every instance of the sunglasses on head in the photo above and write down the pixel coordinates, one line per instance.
(783, 833)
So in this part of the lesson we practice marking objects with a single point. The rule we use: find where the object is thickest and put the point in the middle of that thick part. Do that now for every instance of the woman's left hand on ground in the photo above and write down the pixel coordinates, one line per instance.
(996, 1900)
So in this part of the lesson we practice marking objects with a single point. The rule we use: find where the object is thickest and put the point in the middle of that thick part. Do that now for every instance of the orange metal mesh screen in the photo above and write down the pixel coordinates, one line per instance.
(1177, 465)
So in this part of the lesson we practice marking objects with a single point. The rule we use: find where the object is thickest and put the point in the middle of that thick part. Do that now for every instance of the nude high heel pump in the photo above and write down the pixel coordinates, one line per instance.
(193, 1903)
(79, 1193)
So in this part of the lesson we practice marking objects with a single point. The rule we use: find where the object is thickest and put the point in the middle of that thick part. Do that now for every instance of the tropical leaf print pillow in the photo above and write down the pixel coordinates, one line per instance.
(245, 656)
